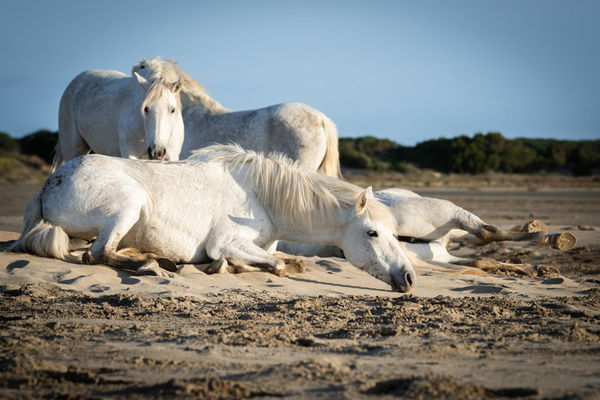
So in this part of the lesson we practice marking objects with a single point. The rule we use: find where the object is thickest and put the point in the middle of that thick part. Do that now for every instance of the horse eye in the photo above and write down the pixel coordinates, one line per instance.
(146, 109)
(172, 110)
(373, 233)
(142, 66)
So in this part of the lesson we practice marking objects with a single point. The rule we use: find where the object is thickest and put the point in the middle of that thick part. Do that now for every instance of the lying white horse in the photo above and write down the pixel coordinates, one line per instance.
(229, 208)
(293, 129)
(108, 112)
(426, 225)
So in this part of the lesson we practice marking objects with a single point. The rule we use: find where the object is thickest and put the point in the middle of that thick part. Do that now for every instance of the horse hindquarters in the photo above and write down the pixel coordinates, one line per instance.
(304, 135)
(41, 237)
(70, 143)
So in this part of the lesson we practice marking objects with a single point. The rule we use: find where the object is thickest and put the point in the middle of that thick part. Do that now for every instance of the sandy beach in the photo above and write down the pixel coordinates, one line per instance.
(73, 331)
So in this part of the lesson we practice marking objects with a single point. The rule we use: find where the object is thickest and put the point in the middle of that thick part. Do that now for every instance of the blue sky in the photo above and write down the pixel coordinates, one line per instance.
(404, 70)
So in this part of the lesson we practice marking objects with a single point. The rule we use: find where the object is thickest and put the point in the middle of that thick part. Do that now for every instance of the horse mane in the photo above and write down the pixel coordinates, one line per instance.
(299, 198)
(193, 95)
(162, 75)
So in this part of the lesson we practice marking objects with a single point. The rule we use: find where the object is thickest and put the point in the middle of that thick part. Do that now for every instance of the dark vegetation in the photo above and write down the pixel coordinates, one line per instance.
(40, 143)
(26, 160)
(481, 153)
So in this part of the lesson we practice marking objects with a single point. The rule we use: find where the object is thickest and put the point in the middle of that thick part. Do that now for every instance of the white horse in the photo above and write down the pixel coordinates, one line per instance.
(108, 112)
(426, 225)
(229, 208)
(293, 129)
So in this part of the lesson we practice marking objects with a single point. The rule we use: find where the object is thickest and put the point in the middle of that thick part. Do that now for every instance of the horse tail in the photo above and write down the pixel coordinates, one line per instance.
(331, 161)
(40, 237)
(58, 158)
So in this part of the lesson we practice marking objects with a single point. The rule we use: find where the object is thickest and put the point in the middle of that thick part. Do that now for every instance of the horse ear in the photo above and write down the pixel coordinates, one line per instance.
(141, 80)
(361, 200)
(176, 86)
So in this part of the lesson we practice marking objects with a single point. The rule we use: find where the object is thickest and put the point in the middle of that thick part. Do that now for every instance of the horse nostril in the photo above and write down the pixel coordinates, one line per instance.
(156, 153)
(403, 283)
(409, 279)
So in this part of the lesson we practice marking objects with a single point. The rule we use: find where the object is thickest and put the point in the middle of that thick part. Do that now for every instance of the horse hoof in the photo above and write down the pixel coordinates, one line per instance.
(152, 268)
(545, 270)
(167, 264)
(563, 241)
(535, 226)
(88, 258)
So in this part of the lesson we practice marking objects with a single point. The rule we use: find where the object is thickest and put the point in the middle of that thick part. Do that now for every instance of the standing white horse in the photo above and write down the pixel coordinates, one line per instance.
(108, 112)
(293, 129)
(426, 225)
(229, 208)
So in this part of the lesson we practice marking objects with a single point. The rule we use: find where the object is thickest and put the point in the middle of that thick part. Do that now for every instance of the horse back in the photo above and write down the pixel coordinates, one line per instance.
(294, 129)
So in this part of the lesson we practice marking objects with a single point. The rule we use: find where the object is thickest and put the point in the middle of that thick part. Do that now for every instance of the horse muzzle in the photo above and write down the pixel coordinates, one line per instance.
(156, 152)
(404, 282)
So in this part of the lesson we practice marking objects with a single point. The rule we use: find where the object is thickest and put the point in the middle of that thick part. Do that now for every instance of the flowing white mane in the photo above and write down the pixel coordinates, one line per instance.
(162, 75)
(193, 94)
(298, 197)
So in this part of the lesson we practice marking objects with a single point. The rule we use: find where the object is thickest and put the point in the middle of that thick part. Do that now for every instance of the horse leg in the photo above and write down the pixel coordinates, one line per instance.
(73, 146)
(488, 264)
(247, 253)
(487, 233)
(163, 263)
(104, 248)
(533, 231)
(230, 265)
(434, 255)
(534, 225)
(490, 233)
(561, 241)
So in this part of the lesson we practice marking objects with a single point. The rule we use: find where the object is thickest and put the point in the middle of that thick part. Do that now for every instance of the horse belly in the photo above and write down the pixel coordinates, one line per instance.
(175, 242)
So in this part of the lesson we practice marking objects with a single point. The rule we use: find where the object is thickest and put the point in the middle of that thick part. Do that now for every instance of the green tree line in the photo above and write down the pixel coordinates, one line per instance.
(40, 143)
(481, 153)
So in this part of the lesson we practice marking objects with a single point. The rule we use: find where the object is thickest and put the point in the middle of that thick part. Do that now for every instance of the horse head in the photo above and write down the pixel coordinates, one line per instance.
(163, 122)
(369, 242)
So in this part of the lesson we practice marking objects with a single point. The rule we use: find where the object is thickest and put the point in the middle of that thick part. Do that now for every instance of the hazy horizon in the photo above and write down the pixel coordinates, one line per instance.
(404, 71)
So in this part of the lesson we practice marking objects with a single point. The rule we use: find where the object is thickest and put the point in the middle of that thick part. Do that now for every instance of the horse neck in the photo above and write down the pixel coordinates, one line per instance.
(313, 222)
(326, 232)
(201, 103)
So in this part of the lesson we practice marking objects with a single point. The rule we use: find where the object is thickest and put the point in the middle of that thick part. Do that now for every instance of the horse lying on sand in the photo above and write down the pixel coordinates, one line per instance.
(109, 112)
(229, 208)
(296, 130)
(427, 225)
